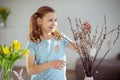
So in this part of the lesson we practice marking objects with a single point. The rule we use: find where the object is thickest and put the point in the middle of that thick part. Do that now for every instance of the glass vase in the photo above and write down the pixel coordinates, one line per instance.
(5, 74)
(2, 24)
(88, 78)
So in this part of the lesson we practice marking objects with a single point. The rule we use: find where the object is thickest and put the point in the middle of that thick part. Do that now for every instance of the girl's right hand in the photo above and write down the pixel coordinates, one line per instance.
(58, 64)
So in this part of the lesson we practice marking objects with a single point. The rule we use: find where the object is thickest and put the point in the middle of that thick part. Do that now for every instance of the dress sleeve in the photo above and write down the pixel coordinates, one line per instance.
(31, 47)
(66, 40)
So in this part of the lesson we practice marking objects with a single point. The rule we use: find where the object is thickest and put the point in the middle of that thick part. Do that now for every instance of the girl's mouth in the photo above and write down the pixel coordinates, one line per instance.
(51, 28)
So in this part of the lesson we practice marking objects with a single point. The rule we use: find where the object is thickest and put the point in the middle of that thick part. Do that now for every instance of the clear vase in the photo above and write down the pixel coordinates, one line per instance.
(88, 78)
(5, 75)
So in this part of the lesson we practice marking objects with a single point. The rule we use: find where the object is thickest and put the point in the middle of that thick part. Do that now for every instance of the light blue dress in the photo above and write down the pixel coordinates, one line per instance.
(46, 51)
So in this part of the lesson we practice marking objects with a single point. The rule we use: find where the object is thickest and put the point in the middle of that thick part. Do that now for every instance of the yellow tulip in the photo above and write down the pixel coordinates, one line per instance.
(6, 50)
(17, 45)
(9, 54)
(26, 52)
(1, 8)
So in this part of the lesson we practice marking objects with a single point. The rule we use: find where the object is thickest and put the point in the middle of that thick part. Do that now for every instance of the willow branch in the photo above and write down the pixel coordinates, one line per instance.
(100, 61)
(117, 35)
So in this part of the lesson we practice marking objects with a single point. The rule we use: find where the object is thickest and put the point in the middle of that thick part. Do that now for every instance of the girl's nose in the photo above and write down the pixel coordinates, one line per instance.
(54, 23)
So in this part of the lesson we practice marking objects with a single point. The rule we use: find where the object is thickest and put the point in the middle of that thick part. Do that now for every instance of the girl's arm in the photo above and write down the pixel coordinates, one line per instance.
(32, 68)
(72, 46)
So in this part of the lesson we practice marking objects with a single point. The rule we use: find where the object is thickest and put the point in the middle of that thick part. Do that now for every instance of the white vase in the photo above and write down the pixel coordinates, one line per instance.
(1, 23)
(88, 78)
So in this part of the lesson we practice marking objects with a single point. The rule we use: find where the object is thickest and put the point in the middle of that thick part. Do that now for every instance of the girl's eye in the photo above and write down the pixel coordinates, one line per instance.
(50, 20)
(55, 19)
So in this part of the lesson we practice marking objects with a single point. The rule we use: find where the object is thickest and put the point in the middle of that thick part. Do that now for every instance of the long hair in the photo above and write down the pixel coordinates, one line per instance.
(35, 30)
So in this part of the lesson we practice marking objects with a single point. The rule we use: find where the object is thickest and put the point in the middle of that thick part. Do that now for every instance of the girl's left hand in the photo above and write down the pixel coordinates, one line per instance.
(58, 64)
(87, 26)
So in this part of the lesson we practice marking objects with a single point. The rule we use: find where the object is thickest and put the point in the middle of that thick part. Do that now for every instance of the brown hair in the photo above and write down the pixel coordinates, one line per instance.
(35, 30)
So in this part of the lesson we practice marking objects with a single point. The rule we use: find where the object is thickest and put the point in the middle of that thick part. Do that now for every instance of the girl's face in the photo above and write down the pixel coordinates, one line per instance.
(48, 23)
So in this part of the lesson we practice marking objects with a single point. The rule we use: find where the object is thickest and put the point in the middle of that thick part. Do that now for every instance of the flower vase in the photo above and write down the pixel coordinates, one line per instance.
(88, 78)
(2, 23)
(5, 75)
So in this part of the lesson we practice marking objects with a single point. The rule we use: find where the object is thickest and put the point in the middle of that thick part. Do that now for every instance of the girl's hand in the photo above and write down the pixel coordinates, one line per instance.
(58, 64)
(87, 26)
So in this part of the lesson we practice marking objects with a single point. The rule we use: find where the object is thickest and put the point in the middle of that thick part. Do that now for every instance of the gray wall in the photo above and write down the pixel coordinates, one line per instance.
(90, 10)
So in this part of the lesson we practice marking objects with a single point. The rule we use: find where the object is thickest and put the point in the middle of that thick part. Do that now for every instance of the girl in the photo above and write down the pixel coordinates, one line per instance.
(47, 59)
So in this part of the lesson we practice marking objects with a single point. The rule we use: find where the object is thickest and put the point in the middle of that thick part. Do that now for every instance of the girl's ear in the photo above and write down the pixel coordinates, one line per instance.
(39, 21)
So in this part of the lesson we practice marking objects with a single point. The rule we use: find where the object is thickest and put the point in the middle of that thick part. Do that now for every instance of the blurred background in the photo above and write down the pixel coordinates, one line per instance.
(17, 26)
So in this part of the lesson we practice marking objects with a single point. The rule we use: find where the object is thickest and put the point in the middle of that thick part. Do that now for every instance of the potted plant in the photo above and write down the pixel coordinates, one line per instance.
(8, 56)
(4, 12)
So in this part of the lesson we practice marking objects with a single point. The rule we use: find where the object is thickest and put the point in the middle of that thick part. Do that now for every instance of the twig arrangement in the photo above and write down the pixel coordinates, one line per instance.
(88, 47)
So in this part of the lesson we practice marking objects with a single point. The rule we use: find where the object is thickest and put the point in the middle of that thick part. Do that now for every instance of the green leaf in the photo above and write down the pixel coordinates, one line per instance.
(1, 50)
